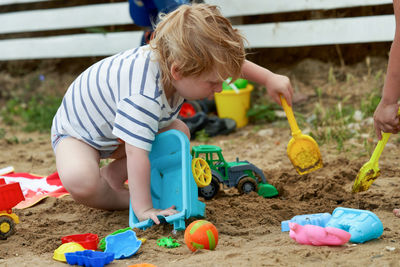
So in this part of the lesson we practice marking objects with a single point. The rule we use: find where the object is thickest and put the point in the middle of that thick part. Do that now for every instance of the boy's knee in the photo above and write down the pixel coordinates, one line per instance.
(79, 184)
(178, 125)
(181, 126)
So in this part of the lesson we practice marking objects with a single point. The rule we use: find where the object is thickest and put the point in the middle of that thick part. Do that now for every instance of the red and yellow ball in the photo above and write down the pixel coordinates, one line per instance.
(201, 234)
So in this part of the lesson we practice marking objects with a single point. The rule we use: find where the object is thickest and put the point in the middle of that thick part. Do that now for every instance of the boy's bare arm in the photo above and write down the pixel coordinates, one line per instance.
(138, 166)
(276, 84)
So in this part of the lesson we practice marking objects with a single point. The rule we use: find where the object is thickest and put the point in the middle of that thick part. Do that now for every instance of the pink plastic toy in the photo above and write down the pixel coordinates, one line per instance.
(317, 235)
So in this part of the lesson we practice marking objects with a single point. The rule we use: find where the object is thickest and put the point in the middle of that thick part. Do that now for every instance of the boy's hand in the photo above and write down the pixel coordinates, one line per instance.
(386, 119)
(153, 213)
(279, 85)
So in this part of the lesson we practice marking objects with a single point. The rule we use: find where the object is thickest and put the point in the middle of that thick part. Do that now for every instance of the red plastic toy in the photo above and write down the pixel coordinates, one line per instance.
(88, 241)
(10, 196)
(187, 110)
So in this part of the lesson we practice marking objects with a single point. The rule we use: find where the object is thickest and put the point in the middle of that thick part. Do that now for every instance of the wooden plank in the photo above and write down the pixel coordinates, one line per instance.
(233, 8)
(11, 2)
(78, 45)
(285, 34)
(321, 32)
(118, 13)
(65, 18)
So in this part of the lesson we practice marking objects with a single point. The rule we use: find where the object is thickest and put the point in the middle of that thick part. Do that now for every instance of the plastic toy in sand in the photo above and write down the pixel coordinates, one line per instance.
(243, 175)
(168, 242)
(10, 196)
(363, 225)
(319, 219)
(123, 245)
(88, 240)
(302, 149)
(89, 258)
(172, 181)
(233, 101)
(201, 234)
(64, 248)
(317, 235)
(102, 243)
(239, 84)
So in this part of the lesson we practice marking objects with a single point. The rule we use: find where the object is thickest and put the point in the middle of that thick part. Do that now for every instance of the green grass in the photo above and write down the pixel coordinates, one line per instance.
(36, 114)
(369, 104)
(202, 136)
(261, 109)
(263, 112)
(331, 123)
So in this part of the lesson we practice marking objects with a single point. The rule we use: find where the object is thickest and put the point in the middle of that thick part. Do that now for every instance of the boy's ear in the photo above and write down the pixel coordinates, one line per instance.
(175, 72)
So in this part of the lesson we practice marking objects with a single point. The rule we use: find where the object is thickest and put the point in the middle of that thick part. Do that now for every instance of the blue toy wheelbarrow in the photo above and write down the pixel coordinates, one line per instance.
(172, 181)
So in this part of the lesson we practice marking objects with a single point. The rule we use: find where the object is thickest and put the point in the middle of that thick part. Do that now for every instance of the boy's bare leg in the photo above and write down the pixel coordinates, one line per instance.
(116, 172)
(78, 167)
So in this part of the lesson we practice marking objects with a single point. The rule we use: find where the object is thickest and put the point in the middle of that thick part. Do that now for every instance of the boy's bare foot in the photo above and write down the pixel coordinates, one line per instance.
(396, 212)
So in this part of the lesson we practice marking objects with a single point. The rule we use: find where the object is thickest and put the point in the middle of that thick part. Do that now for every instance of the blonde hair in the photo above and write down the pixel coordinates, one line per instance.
(200, 40)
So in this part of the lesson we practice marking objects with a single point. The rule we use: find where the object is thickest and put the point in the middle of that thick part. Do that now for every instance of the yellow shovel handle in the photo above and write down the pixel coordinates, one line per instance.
(290, 116)
(381, 145)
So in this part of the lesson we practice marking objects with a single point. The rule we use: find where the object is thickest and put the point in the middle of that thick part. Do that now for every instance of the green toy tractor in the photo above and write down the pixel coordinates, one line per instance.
(246, 177)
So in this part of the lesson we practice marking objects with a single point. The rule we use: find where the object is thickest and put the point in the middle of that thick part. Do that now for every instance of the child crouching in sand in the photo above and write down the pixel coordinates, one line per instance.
(116, 107)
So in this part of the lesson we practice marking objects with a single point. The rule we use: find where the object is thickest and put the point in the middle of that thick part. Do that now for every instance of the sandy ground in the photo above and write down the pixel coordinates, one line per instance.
(248, 225)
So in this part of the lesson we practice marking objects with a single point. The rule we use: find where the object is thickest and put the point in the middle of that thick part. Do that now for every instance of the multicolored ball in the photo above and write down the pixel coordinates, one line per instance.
(201, 234)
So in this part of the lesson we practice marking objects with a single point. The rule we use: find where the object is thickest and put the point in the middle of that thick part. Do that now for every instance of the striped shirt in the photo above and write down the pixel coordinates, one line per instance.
(119, 97)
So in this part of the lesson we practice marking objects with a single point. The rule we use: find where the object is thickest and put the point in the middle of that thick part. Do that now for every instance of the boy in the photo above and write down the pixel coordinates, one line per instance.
(116, 107)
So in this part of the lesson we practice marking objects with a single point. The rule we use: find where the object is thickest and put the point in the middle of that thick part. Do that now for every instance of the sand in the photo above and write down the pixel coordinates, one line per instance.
(249, 225)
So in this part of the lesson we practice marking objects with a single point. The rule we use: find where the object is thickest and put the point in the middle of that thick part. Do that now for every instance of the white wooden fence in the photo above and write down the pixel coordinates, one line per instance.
(364, 29)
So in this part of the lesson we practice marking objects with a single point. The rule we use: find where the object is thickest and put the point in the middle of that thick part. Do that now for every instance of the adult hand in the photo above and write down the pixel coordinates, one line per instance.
(386, 119)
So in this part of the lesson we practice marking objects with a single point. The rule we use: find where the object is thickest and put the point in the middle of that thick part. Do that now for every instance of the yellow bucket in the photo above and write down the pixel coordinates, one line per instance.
(234, 105)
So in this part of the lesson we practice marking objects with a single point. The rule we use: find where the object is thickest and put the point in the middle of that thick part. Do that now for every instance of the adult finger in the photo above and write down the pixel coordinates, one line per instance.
(377, 131)
(291, 90)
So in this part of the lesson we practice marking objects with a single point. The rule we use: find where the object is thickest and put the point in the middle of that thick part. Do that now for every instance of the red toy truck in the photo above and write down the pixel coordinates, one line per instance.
(10, 196)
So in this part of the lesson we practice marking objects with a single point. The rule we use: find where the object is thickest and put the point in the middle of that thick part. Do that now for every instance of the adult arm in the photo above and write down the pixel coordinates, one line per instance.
(385, 116)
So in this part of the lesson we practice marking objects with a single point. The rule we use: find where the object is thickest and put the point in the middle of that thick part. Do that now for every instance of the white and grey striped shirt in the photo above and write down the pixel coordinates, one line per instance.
(118, 97)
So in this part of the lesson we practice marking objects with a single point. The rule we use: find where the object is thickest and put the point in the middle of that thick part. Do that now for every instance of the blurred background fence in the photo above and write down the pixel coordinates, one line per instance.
(39, 29)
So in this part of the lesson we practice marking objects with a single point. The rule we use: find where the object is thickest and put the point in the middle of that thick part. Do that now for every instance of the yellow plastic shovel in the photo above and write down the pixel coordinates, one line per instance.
(302, 149)
(370, 170)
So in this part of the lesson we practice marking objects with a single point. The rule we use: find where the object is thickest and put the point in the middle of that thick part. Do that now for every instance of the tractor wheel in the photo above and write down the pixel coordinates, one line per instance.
(201, 172)
(211, 190)
(7, 227)
(247, 185)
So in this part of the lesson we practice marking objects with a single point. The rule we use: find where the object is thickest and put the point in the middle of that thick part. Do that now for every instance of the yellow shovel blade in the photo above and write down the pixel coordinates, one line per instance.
(370, 170)
(365, 177)
(302, 149)
(304, 154)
